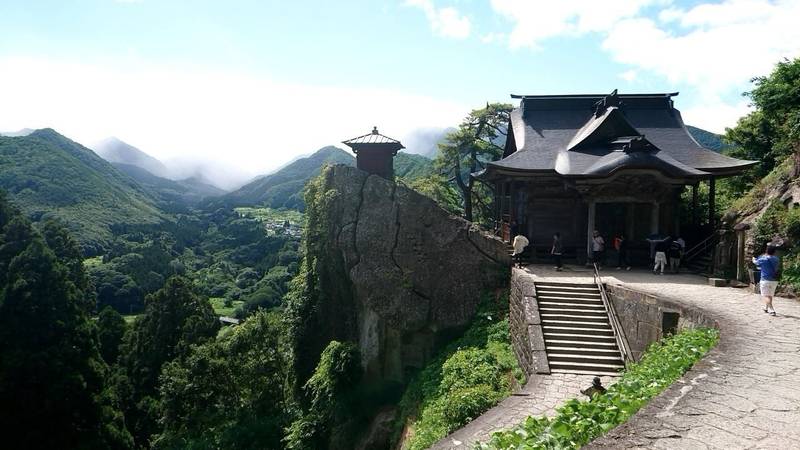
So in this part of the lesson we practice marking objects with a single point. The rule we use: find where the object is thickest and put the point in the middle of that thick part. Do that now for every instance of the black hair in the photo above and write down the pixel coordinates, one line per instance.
(557, 234)
(770, 249)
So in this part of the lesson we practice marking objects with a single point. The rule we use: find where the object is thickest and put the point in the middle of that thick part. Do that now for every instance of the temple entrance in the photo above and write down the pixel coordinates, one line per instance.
(610, 219)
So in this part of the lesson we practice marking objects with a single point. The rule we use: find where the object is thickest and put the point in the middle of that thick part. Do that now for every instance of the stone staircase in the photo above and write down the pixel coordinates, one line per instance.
(700, 264)
(578, 337)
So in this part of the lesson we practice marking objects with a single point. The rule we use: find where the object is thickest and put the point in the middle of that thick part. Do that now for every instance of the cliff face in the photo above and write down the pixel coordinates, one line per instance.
(391, 271)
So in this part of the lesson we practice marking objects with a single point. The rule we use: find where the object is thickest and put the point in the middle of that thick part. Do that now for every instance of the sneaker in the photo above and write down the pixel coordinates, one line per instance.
(773, 313)
(628, 268)
(766, 310)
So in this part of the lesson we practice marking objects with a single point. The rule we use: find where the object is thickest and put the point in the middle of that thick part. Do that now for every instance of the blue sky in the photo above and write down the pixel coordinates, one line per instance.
(252, 84)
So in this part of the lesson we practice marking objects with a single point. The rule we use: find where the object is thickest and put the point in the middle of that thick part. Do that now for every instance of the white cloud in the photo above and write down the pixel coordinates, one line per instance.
(715, 115)
(491, 38)
(535, 22)
(629, 75)
(242, 119)
(447, 21)
(724, 44)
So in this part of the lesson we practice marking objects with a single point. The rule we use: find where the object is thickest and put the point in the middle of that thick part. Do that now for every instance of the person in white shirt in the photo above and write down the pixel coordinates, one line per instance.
(598, 247)
(520, 242)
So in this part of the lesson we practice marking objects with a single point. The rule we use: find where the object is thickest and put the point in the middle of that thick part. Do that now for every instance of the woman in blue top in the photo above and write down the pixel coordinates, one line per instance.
(769, 265)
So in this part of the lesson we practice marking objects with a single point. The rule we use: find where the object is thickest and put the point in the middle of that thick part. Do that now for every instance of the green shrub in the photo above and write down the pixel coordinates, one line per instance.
(579, 421)
(468, 377)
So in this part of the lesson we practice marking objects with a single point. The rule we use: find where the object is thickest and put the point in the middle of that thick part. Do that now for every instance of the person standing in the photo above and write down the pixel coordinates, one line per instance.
(520, 242)
(621, 244)
(661, 248)
(598, 247)
(769, 264)
(557, 251)
(674, 254)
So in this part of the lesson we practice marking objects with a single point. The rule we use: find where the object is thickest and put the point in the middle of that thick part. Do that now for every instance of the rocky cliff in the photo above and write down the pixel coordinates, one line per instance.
(387, 268)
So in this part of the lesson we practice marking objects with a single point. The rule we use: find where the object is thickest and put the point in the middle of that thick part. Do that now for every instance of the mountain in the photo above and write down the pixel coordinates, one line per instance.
(172, 195)
(22, 132)
(116, 151)
(284, 188)
(48, 175)
(707, 139)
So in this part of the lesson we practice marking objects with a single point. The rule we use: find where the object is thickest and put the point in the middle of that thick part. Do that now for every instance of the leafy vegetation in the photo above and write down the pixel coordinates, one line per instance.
(53, 381)
(579, 421)
(469, 376)
(50, 176)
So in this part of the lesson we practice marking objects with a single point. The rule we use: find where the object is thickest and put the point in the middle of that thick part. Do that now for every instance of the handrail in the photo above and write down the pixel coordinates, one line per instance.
(616, 326)
(700, 247)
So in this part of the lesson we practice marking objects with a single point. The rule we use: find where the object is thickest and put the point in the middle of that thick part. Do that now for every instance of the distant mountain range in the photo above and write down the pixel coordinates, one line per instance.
(114, 150)
(707, 139)
(48, 175)
(284, 188)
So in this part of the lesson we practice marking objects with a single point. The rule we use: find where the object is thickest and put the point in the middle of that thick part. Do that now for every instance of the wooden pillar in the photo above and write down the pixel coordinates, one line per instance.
(712, 203)
(590, 228)
(630, 218)
(695, 212)
(741, 267)
(655, 218)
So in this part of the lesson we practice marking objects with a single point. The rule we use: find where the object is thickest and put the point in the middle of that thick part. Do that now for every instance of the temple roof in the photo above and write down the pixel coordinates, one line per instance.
(583, 136)
(373, 138)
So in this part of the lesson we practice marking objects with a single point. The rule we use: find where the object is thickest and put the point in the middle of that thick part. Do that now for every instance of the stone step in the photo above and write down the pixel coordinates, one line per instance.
(549, 293)
(576, 306)
(586, 372)
(566, 285)
(553, 336)
(567, 315)
(579, 329)
(599, 344)
(573, 300)
(586, 366)
(577, 323)
(582, 349)
(582, 357)
(573, 311)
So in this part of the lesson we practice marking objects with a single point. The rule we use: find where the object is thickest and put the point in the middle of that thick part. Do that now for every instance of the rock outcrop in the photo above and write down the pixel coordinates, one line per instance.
(414, 274)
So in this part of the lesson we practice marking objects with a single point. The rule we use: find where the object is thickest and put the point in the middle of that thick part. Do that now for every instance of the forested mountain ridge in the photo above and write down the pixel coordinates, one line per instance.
(48, 175)
(114, 150)
(708, 139)
(284, 188)
(173, 195)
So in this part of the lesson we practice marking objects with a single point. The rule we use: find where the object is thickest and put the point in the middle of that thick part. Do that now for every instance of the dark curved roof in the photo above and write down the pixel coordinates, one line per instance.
(574, 135)
(373, 138)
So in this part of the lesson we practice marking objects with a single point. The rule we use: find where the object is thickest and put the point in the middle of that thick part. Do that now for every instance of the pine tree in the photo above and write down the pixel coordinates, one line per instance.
(51, 375)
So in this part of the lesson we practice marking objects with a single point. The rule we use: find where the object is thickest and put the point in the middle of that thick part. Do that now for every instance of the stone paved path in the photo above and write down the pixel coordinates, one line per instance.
(745, 394)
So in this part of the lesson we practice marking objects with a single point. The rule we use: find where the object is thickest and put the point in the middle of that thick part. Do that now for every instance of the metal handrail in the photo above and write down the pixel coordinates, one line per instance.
(701, 247)
(616, 326)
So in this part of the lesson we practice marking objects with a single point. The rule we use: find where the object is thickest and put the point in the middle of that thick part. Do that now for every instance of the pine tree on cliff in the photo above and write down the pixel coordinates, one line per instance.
(51, 375)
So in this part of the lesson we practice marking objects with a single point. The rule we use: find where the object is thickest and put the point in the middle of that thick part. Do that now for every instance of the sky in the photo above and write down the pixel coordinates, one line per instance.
(248, 85)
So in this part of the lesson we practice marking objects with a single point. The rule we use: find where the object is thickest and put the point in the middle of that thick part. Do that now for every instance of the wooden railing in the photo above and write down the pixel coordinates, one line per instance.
(616, 326)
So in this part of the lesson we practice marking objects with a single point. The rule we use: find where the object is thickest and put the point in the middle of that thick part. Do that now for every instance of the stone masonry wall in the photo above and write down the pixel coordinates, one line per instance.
(526, 325)
(641, 316)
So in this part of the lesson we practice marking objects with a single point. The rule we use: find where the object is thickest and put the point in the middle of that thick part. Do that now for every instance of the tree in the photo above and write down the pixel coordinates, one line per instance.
(772, 131)
(110, 331)
(230, 393)
(52, 391)
(175, 318)
(466, 150)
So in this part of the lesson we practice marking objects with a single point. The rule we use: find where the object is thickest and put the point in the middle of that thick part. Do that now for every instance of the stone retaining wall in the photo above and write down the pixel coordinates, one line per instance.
(641, 316)
(526, 325)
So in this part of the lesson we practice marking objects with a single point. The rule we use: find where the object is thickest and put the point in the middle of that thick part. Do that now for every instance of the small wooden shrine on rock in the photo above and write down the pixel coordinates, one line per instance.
(375, 153)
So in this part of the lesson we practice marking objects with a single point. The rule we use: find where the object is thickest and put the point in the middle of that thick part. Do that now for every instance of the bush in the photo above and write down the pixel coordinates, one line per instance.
(579, 421)
(460, 406)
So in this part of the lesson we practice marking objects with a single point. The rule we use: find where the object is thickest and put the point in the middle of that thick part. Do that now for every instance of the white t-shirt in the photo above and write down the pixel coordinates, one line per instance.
(520, 242)
(598, 243)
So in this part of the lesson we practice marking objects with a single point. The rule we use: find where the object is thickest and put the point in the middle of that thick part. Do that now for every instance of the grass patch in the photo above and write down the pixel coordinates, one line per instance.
(218, 303)
(468, 377)
(579, 421)
(130, 318)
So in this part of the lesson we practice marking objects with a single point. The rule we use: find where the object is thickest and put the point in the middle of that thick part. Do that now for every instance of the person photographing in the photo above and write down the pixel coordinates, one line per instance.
(769, 266)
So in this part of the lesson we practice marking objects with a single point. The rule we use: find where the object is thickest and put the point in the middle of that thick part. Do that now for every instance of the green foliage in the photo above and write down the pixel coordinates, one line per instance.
(48, 175)
(111, 329)
(52, 378)
(772, 131)
(174, 319)
(579, 421)
(469, 376)
(410, 167)
(229, 393)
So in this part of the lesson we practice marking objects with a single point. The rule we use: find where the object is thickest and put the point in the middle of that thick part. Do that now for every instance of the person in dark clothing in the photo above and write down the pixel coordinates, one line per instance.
(557, 251)
(674, 255)
(621, 244)
(595, 389)
(661, 248)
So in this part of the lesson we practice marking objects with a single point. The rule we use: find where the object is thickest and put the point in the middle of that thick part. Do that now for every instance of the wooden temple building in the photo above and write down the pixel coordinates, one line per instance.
(375, 153)
(614, 163)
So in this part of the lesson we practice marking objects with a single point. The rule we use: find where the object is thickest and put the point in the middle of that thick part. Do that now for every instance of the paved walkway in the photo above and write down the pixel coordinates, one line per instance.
(745, 394)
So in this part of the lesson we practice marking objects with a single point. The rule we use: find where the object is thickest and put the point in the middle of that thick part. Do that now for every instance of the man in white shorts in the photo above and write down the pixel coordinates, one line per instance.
(769, 264)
